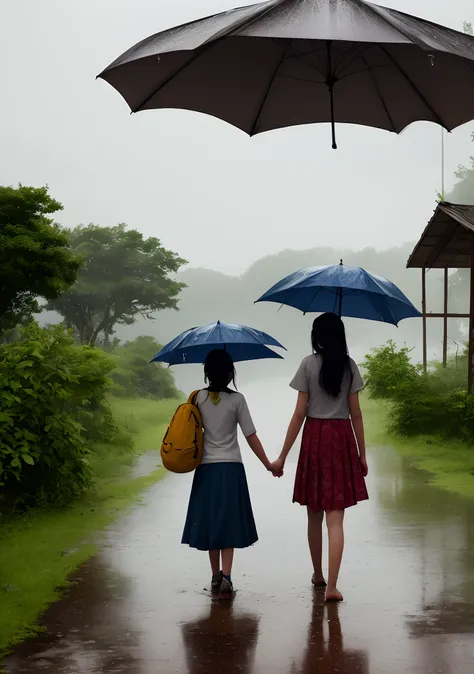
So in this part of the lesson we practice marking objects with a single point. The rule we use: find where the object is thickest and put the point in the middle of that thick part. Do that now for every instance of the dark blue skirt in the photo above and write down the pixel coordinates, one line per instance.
(220, 512)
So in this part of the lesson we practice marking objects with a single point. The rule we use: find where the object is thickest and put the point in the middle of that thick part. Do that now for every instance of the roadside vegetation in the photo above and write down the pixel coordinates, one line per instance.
(76, 405)
(40, 547)
(428, 417)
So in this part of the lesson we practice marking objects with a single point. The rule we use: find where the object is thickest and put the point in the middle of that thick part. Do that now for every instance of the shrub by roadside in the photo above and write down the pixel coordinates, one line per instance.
(435, 403)
(40, 547)
(386, 368)
(53, 407)
(135, 376)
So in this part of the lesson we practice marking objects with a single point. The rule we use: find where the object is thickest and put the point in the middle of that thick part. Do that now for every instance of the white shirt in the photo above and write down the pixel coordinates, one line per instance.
(220, 426)
(321, 405)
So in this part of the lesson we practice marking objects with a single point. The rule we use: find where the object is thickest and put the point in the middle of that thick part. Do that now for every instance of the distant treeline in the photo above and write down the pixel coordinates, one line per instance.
(210, 295)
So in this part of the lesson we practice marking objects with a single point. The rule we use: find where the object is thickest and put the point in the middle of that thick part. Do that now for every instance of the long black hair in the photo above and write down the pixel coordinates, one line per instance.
(219, 371)
(328, 338)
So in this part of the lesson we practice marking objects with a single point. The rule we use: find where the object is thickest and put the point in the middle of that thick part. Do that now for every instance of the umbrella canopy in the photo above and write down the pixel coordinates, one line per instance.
(282, 63)
(343, 290)
(193, 345)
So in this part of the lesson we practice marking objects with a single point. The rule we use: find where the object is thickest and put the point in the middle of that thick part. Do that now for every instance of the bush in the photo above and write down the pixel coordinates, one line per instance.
(435, 403)
(419, 406)
(134, 375)
(387, 368)
(454, 376)
(52, 406)
(426, 408)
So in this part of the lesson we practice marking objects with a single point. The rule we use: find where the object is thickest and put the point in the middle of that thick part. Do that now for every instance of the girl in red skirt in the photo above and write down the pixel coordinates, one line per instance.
(332, 463)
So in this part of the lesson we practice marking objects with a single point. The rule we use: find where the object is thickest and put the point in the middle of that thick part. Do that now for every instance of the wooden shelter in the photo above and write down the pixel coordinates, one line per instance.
(447, 243)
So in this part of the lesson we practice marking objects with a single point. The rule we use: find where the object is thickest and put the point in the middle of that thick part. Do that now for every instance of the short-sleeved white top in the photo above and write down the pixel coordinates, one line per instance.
(220, 423)
(321, 405)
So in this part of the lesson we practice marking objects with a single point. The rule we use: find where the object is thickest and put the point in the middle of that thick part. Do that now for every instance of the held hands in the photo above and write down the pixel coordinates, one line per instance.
(277, 467)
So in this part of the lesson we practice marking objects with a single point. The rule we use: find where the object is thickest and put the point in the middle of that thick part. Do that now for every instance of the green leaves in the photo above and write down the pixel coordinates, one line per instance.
(25, 363)
(36, 260)
(48, 418)
(135, 376)
(387, 368)
(124, 276)
(435, 403)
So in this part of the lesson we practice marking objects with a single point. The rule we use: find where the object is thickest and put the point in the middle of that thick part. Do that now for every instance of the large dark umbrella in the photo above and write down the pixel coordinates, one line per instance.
(287, 62)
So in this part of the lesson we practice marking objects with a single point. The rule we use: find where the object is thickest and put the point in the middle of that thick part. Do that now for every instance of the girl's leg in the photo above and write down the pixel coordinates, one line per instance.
(227, 588)
(315, 540)
(215, 559)
(227, 560)
(335, 524)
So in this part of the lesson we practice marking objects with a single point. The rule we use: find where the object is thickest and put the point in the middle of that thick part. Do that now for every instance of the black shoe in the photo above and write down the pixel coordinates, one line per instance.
(216, 583)
(226, 589)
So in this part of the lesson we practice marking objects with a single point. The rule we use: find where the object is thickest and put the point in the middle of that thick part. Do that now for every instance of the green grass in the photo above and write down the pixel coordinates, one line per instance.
(145, 419)
(39, 550)
(451, 463)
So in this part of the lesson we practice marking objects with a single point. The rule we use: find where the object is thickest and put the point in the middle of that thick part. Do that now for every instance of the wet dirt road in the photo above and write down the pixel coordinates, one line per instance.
(140, 606)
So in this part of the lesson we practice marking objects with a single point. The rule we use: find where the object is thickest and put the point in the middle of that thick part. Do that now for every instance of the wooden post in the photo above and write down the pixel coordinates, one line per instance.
(445, 320)
(423, 307)
(471, 327)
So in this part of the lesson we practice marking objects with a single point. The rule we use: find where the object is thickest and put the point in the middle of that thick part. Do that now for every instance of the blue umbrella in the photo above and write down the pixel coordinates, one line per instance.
(343, 290)
(193, 345)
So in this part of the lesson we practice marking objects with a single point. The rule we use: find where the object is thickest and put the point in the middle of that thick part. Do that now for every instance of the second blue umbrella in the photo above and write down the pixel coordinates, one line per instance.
(242, 342)
(345, 291)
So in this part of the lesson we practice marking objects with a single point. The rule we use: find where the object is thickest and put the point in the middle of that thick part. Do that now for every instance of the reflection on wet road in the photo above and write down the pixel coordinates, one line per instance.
(141, 607)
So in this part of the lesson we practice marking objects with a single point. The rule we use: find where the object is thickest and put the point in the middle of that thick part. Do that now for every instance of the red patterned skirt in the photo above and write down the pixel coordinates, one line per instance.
(329, 474)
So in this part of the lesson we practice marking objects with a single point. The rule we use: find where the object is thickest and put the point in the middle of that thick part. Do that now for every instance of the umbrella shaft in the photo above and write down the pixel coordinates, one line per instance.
(330, 81)
(333, 123)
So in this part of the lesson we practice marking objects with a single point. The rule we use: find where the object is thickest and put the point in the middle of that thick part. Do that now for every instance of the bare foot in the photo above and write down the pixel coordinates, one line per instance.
(318, 580)
(333, 595)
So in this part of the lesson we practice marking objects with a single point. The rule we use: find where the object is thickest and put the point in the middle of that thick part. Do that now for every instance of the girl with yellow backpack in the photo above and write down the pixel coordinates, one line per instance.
(220, 516)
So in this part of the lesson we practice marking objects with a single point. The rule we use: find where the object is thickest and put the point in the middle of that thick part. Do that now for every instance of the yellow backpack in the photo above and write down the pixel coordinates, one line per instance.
(181, 449)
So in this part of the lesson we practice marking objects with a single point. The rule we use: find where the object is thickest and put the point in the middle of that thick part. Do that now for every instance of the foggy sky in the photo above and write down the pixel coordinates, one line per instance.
(191, 179)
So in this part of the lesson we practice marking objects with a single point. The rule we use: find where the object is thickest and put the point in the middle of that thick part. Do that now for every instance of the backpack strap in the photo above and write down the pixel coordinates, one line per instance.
(193, 397)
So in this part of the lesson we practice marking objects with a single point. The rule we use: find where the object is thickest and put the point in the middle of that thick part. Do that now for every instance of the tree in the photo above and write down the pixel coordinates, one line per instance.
(124, 276)
(36, 260)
